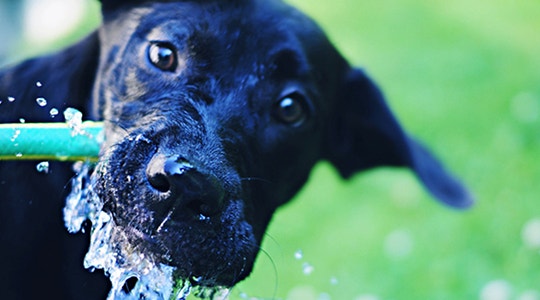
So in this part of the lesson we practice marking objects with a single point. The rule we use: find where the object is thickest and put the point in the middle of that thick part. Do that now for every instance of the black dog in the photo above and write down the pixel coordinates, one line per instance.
(215, 113)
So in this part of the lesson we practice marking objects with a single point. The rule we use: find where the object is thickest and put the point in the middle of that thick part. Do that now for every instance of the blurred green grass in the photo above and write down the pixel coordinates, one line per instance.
(465, 78)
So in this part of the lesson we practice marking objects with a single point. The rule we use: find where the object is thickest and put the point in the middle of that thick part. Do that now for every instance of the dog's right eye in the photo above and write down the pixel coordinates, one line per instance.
(163, 56)
(291, 109)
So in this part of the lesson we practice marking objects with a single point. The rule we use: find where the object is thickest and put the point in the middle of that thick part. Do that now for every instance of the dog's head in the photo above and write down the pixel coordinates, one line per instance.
(215, 113)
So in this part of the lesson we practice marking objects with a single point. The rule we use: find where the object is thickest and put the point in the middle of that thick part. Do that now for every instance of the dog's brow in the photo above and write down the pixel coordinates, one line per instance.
(287, 63)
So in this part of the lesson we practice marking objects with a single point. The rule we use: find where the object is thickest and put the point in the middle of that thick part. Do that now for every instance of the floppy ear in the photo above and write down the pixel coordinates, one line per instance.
(365, 134)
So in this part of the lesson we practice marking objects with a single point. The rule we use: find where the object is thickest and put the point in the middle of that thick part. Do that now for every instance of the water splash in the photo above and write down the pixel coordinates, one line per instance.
(74, 120)
(134, 274)
(81, 204)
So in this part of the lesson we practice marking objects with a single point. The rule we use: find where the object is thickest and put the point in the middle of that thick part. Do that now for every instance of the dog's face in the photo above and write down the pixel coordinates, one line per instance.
(215, 113)
(214, 120)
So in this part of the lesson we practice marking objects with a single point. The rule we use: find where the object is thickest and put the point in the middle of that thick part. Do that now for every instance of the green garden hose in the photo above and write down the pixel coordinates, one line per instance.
(50, 141)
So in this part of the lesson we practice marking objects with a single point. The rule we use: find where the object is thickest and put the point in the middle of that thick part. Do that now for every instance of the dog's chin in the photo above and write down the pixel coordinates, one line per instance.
(216, 251)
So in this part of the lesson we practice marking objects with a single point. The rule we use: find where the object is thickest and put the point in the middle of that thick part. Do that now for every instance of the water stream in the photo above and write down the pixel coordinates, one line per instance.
(133, 274)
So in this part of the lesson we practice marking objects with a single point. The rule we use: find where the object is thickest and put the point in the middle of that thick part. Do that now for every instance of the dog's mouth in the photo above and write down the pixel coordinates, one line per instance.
(157, 242)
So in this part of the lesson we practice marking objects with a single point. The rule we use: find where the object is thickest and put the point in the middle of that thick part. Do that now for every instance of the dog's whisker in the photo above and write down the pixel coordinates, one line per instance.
(274, 266)
(256, 179)
(167, 217)
(268, 235)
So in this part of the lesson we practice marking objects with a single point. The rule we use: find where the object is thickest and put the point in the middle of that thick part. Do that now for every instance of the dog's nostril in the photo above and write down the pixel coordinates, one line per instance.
(203, 208)
(159, 182)
(161, 170)
(184, 186)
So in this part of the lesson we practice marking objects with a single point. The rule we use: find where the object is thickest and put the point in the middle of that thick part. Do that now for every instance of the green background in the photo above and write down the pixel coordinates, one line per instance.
(464, 77)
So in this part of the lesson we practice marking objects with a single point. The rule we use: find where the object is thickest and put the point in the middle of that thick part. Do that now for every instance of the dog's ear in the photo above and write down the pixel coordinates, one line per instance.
(365, 134)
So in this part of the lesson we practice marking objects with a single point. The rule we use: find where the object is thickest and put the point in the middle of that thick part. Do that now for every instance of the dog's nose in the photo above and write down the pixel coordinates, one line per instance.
(184, 186)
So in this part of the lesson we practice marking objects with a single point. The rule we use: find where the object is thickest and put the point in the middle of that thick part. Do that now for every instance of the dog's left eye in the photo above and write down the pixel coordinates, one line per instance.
(163, 56)
(291, 109)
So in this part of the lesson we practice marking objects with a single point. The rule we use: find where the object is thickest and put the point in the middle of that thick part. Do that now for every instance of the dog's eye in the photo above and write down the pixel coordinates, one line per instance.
(291, 109)
(163, 56)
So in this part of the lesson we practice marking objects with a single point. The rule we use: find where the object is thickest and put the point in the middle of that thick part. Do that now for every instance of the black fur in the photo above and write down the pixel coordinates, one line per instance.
(209, 152)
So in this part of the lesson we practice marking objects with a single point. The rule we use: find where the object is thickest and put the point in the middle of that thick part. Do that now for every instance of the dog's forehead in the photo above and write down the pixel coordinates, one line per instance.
(233, 46)
(219, 26)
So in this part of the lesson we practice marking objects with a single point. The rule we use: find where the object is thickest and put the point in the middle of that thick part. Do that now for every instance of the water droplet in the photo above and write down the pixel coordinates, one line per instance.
(43, 167)
(15, 135)
(41, 101)
(38, 84)
(11, 99)
(141, 137)
(53, 112)
(196, 278)
(298, 255)
(22, 120)
(334, 280)
(19, 154)
(307, 269)
(203, 217)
